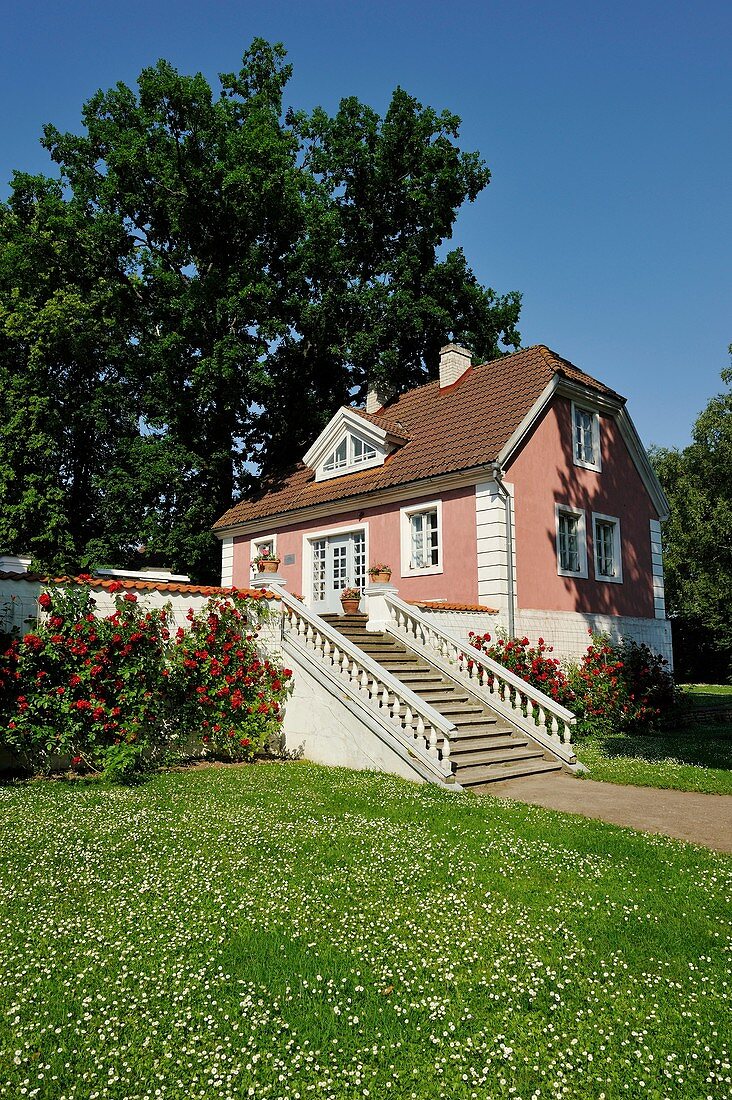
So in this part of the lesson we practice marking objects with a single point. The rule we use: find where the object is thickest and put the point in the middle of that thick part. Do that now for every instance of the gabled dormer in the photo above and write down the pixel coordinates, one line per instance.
(350, 442)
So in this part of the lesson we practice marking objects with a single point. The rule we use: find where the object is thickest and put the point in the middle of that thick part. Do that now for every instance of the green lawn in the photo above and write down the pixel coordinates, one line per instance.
(690, 755)
(288, 931)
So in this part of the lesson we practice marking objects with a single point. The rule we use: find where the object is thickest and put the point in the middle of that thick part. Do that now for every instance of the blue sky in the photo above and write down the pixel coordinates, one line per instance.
(606, 127)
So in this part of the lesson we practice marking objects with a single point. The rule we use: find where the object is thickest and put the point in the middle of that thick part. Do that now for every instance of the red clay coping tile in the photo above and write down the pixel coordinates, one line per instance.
(129, 584)
(461, 427)
(445, 605)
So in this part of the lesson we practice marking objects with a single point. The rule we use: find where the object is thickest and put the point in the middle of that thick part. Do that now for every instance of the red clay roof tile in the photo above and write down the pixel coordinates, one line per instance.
(129, 584)
(461, 427)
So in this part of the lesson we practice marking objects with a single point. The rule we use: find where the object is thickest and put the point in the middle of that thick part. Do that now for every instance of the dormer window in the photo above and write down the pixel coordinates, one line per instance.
(350, 442)
(339, 459)
(586, 438)
(351, 451)
(361, 452)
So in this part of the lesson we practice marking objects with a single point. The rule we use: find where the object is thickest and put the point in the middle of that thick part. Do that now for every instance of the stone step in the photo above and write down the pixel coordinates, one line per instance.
(399, 665)
(464, 746)
(435, 696)
(463, 710)
(484, 758)
(483, 747)
(473, 776)
(423, 676)
(467, 723)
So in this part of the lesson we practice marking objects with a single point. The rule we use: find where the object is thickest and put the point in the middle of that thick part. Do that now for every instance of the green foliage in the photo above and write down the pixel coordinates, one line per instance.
(116, 694)
(532, 663)
(615, 687)
(208, 281)
(84, 685)
(621, 686)
(222, 685)
(698, 542)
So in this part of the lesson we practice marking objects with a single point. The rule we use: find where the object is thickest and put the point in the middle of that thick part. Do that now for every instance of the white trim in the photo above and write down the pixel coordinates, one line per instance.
(405, 539)
(346, 421)
(596, 439)
(227, 562)
(350, 466)
(492, 551)
(659, 584)
(309, 537)
(375, 498)
(254, 544)
(617, 548)
(567, 509)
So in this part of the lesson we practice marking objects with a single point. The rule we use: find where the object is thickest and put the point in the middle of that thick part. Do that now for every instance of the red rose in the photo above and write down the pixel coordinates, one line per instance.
(45, 601)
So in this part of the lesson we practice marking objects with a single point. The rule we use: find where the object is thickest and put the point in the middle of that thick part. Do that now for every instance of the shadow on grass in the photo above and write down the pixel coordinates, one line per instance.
(708, 747)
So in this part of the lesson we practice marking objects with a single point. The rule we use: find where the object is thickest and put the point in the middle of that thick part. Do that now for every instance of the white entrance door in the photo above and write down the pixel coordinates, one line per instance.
(339, 561)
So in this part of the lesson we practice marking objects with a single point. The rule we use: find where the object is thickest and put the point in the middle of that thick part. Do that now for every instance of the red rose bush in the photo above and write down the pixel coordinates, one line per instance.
(614, 687)
(117, 694)
(222, 683)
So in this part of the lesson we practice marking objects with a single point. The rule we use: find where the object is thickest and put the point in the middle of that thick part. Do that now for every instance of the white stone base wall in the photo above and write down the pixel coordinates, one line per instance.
(19, 602)
(569, 631)
(319, 726)
(460, 623)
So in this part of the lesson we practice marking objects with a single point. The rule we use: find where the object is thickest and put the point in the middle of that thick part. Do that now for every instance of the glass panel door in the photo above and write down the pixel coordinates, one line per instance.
(339, 562)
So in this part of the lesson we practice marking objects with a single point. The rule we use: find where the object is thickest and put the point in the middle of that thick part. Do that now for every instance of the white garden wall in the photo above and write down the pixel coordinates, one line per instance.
(19, 594)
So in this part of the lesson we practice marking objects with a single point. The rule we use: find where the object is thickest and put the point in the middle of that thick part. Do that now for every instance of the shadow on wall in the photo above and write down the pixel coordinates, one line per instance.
(610, 492)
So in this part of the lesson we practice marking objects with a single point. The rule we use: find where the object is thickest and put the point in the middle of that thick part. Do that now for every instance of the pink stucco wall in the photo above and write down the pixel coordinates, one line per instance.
(458, 581)
(543, 474)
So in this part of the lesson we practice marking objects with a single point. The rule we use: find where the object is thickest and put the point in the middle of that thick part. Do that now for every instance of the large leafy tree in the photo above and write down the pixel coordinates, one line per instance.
(67, 415)
(256, 268)
(698, 541)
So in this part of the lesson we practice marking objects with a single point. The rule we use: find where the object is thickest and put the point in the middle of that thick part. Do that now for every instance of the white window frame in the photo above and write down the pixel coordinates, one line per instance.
(405, 517)
(309, 537)
(351, 464)
(617, 548)
(597, 443)
(254, 545)
(566, 509)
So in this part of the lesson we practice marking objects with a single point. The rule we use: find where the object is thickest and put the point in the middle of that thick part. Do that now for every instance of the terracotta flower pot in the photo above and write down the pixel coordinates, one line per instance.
(269, 565)
(350, 607)
(382, 577)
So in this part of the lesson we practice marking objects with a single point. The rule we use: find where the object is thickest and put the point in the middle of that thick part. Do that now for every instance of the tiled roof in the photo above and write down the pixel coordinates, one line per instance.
(393, 427)
(460, 427)
(131, 585)
(445, 605)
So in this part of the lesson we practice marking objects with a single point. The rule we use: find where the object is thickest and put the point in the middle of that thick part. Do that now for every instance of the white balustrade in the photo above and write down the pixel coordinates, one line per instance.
(422, 727)
(524, 705)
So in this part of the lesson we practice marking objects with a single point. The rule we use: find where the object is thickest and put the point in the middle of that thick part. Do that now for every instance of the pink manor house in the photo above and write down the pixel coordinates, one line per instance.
(512, 495)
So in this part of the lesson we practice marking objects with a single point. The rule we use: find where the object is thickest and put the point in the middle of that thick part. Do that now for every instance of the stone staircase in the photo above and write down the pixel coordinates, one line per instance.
(486, 747)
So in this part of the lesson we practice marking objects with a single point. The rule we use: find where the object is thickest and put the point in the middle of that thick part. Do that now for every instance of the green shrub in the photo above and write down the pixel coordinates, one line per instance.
(86, 685)
(621, 686)
(223, 687)
(532, 663)
(116, 694)
(615, 687)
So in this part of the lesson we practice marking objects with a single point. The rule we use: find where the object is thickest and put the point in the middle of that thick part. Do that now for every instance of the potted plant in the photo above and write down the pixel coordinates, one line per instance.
(350, 600)
(380, 574)
(266, 561)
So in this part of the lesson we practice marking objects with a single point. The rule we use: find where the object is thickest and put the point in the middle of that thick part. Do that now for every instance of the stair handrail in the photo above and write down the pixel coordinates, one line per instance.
(403, 710)
(546, 720)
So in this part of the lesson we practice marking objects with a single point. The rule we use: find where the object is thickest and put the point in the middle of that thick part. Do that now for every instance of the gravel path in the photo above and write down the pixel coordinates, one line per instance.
(699, 818)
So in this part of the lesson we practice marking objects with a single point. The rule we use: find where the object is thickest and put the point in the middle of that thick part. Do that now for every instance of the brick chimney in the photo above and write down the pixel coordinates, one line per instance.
(454, 361)
(376, 397)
